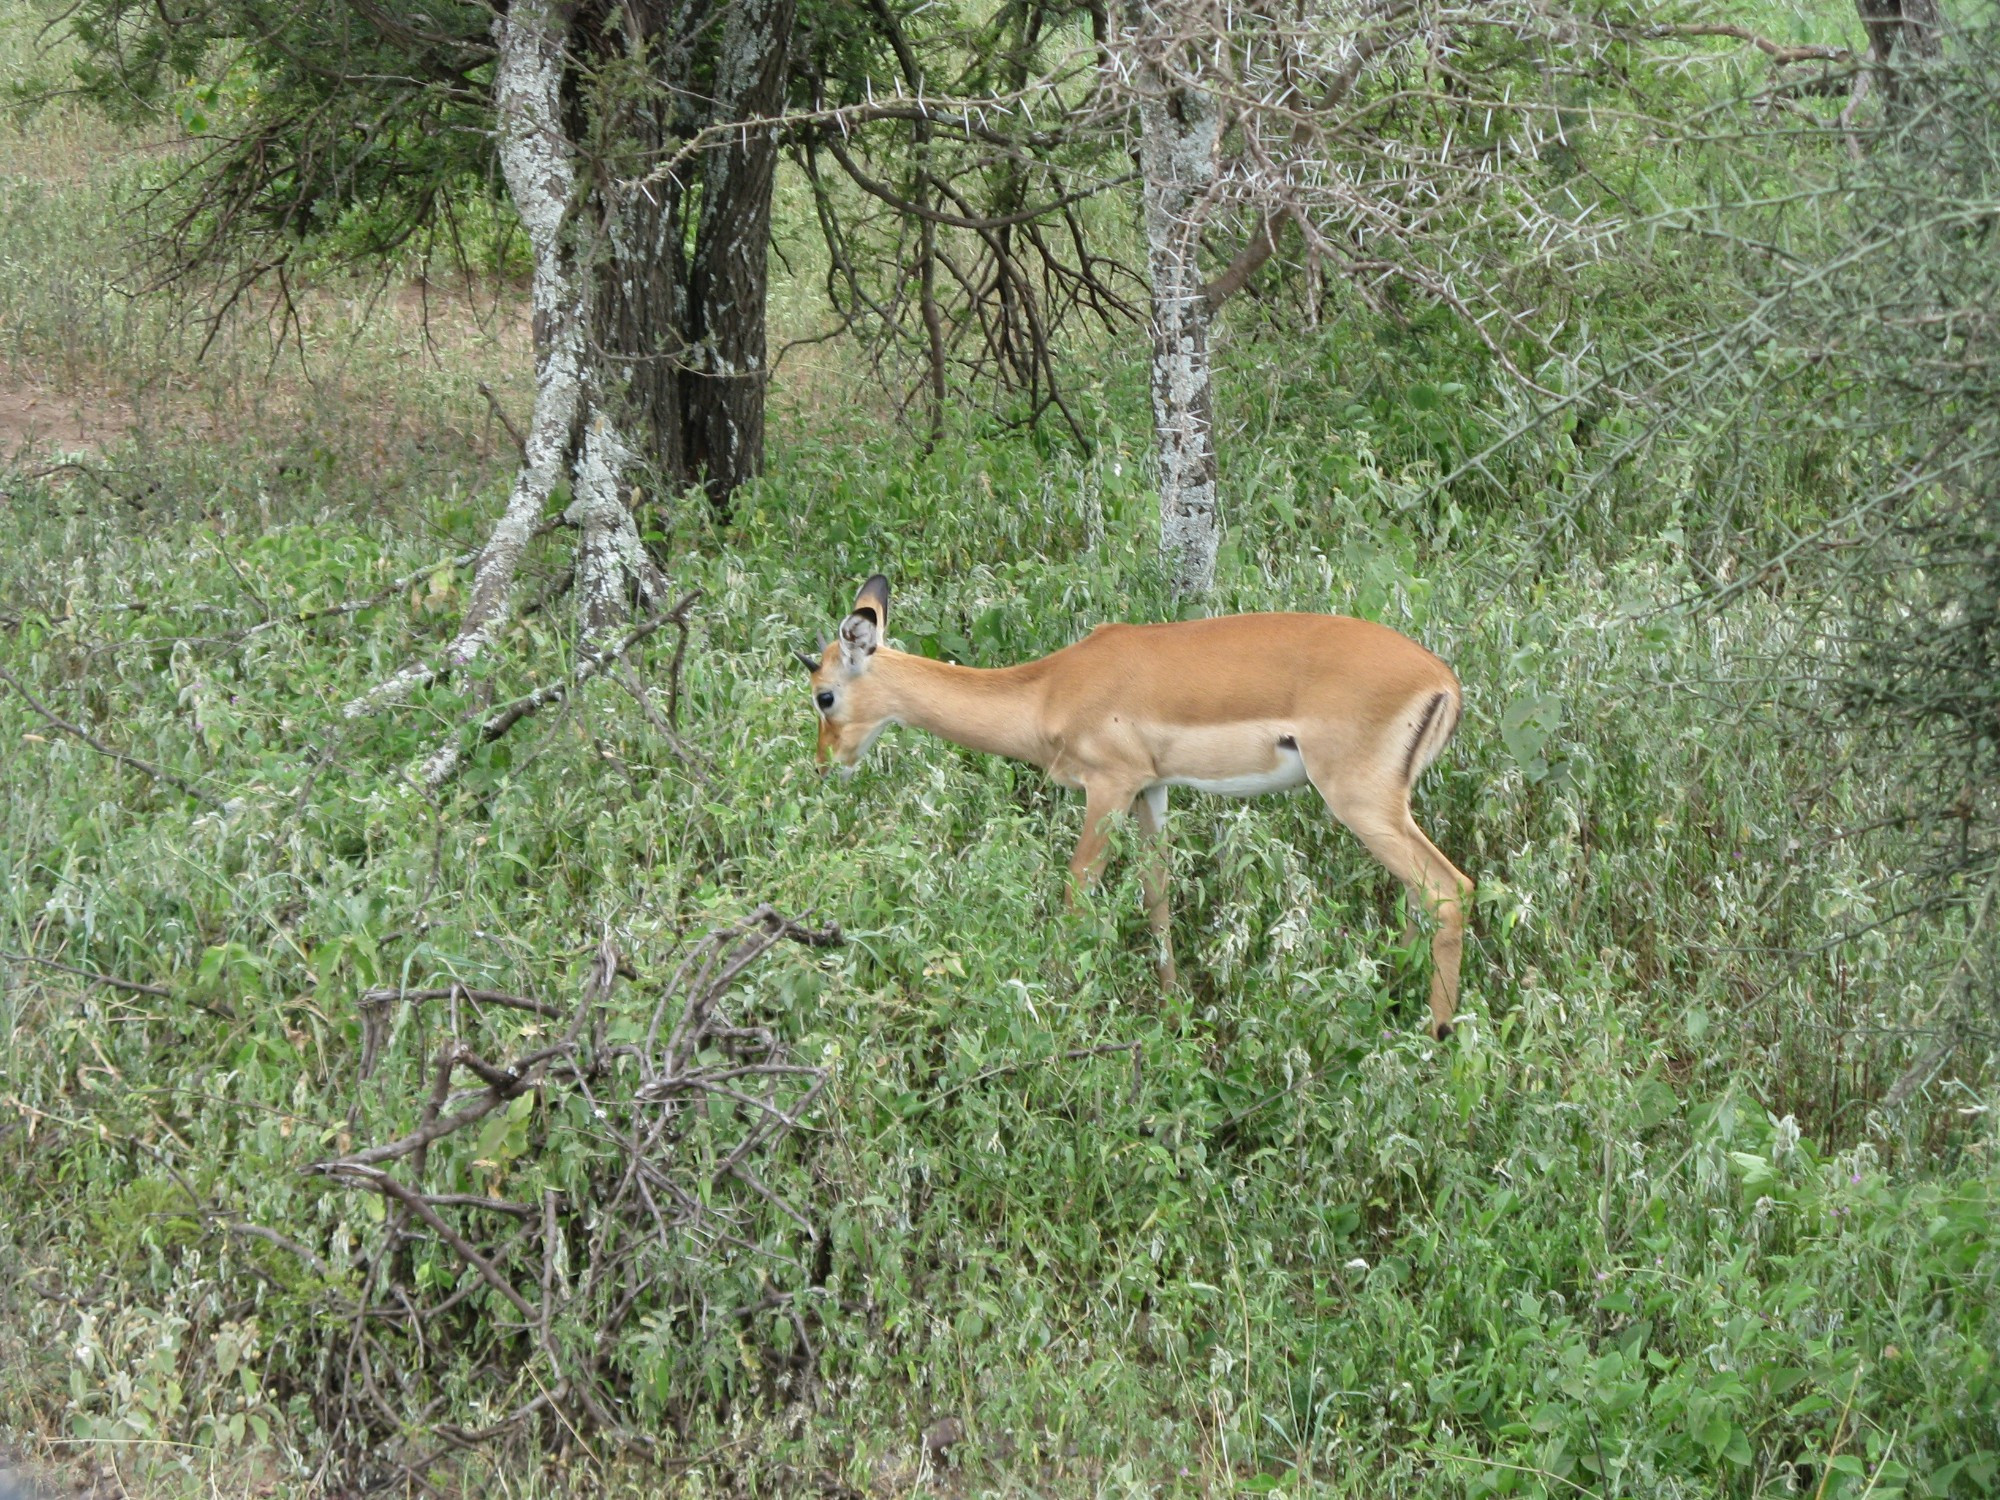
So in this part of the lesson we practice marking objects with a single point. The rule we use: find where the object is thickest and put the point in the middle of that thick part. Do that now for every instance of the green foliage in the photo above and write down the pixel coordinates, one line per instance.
(1626, 1234)
(1859, 382)
(307, 124)
(1649, 1226)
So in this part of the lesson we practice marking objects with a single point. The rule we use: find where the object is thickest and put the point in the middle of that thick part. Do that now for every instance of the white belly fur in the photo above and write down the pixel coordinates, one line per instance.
(1289, 772)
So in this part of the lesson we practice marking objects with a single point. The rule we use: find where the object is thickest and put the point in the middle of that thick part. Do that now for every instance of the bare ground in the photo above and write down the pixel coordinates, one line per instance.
(39, 422)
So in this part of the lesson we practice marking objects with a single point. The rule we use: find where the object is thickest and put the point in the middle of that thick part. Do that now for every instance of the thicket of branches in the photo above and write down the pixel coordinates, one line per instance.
(962, 245)
(652, 1129)
(1871, 355)
(1840, 423)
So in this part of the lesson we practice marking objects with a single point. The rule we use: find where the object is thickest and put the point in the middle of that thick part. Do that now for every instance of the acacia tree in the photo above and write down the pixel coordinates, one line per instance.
(638, 143)
(1422, 144)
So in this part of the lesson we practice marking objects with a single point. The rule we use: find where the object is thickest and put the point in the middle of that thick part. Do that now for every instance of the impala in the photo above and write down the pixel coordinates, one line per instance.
(1241, 705)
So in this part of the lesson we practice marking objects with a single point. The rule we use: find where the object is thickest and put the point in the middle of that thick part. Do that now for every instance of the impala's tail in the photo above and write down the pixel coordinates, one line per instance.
(1440, 718)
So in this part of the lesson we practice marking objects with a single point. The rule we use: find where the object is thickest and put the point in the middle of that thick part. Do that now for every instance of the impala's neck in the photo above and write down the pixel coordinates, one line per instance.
(998, 711)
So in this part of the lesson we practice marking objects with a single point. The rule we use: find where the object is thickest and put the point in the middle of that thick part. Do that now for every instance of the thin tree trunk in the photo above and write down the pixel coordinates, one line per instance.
(1918, 25)
(534, 154)
(538, 158)
(641, 278)
(723, 388)
(611, 564)
(1178, 132)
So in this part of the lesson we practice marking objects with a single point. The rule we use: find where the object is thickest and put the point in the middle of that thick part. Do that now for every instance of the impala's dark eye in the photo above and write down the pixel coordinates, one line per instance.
(824, 698)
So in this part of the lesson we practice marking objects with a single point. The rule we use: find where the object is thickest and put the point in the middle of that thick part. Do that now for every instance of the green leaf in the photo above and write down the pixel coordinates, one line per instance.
(1526, 726)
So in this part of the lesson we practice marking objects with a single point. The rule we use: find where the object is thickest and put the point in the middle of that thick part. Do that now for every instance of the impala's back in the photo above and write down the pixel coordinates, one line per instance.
(1244, 704)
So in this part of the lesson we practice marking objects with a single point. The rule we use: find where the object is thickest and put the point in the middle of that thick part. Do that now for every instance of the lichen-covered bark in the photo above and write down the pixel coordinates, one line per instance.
(535, 156)
(573, 372)
(611, 563)
(723, 386)
(1178, 132)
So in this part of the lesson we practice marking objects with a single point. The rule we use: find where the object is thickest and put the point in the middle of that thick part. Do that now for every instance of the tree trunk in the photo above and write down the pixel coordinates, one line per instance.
(641, 268)
(611, 564)
(631, 331)
(537, 156)
(1178, 132)
(534, 154)
(723, 385)
(1918, 25)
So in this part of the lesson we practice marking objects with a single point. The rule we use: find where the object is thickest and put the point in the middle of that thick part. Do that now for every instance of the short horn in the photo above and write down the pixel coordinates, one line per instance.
(810, 663)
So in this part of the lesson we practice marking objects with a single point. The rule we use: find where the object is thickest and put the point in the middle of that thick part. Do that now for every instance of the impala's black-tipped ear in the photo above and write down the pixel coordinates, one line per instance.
(810, 663)
(859, 636)
(874, 600)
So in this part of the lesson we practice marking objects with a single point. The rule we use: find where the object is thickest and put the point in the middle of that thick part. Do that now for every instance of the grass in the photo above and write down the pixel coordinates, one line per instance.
(1646, 1226)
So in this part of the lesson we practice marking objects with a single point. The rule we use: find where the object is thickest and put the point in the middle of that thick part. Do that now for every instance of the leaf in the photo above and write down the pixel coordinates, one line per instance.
(1526, 727)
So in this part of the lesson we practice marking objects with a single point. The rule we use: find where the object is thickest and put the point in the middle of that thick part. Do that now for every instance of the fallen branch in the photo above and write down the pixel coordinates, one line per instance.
(667, 1168)
(128, 986)
(97, 479)
(373, 1002)
(283, 1242)
(484, 997)
(449, 759)
(157, 773)
(386, 1185)
(109, 981)
(434, 1130)
(1778, 52)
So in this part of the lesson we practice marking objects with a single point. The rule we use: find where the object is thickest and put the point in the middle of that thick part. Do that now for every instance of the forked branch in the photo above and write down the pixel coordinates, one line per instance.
(688, 1114)
(449, 759)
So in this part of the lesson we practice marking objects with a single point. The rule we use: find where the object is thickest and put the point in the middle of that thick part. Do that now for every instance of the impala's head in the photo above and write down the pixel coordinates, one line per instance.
(852, 702)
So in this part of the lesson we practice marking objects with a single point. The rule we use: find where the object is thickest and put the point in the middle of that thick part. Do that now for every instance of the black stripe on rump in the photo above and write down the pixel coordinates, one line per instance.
(1423, 728)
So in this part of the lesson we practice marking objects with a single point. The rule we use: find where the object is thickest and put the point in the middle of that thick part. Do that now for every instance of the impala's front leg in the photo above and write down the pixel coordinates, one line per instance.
(1100, 802)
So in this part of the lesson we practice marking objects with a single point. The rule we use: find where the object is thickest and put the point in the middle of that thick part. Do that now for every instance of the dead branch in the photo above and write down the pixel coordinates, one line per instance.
(484, 997)
(282, 1241)
(109, 981)
(687, 1120)
(1778, 52)
(157, 773)
(1258, 249)
(499, 411)
(448, 760)
(386, 1185)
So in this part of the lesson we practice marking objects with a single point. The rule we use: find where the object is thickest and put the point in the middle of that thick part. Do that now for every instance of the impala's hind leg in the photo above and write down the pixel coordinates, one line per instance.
(1150, 808)
(1380, 817)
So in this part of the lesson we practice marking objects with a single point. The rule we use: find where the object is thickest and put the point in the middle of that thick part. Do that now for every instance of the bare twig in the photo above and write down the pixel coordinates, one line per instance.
(157, 773)
(586, 1257)
(493, 401)
(449, 759)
